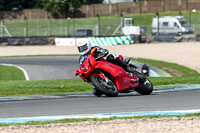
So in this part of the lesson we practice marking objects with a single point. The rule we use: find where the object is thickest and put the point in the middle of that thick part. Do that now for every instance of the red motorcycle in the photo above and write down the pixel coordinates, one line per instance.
(111, 79)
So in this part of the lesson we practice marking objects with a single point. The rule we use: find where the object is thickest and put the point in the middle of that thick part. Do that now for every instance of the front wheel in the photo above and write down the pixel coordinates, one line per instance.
(107, 87)
(96, 92)
(145, 87)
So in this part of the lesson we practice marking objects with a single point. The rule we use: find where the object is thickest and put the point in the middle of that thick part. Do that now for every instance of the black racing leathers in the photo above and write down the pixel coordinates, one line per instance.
(100, 52)
(117, 61)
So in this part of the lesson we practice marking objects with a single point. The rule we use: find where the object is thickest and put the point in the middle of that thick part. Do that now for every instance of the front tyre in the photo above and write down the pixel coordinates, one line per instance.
(107, 87)
(96, 92)
(145, 87)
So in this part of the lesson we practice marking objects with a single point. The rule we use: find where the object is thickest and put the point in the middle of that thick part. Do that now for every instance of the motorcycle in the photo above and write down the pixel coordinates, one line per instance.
(111, 79)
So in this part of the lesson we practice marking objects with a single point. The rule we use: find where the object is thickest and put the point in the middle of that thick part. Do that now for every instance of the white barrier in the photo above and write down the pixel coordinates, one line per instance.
(96, 41)
(65, 42)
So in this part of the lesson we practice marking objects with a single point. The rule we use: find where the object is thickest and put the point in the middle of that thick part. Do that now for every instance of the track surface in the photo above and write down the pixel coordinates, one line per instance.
(62, 67)
(158, 101)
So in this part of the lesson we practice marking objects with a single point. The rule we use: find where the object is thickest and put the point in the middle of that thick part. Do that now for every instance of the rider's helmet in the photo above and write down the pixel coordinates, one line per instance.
(84, 46)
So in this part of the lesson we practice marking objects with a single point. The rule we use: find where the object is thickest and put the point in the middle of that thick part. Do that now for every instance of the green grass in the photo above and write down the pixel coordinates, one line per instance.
(179, 70)
(99, 119)
(10, 73)
(108, 24)
(183, 74)
(174, 80)
(15, 88)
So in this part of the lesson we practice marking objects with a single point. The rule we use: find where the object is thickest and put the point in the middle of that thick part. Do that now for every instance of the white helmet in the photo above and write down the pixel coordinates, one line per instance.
(84, 46)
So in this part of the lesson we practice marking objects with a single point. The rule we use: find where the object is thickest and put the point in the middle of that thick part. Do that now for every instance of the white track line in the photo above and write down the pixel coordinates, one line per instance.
(22, 69)
(109, 115)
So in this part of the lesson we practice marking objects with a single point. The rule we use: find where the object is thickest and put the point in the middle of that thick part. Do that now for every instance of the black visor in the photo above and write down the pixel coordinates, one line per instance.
(83, 48)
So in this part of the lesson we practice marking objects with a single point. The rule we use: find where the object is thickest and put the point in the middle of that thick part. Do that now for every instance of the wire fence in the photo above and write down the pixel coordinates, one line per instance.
(105, 26)
(59, 27)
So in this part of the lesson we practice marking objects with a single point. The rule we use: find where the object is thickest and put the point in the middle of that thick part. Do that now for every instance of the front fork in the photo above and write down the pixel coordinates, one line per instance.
(101, 74)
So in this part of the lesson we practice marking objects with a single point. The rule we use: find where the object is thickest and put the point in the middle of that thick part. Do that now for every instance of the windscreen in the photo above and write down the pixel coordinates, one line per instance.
(183, 22)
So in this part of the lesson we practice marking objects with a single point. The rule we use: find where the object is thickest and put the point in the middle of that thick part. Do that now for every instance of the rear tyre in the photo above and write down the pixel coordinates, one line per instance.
(145, 87)
(105, 87)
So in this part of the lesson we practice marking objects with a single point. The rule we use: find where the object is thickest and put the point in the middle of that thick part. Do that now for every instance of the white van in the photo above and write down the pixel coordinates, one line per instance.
(171, 25)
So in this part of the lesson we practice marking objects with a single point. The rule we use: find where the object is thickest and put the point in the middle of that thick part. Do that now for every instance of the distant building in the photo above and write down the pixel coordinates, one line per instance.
(118, 1)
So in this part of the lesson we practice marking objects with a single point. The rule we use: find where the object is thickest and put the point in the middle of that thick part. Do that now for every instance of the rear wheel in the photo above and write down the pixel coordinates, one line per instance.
(145, 87)
(107, 87)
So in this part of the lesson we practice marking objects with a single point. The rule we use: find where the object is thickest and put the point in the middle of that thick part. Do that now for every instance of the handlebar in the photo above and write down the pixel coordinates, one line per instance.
(128, 61)
(97, 58)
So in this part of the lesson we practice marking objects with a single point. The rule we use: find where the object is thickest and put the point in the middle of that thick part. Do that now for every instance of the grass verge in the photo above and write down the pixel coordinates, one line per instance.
(99, 119)
(173, 68)
(17, 88)
(10, 73)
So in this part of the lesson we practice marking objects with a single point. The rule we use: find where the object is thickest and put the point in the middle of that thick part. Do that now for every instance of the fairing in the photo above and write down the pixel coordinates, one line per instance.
(119, 75)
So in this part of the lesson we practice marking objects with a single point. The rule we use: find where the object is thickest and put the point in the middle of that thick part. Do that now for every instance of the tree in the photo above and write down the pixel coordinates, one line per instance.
(67, 7)
(94, 1)
(19, 4)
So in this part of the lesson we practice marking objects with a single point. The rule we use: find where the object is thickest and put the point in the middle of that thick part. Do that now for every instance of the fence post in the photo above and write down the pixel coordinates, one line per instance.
(74, 26)
(122, 20)
(98, 25)
(26, 27)
(49, 25)
(158, 29)
(2, 27)
(68, 19)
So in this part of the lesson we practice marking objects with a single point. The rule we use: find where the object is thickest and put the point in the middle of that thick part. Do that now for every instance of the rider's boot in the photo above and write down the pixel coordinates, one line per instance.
(141, 77)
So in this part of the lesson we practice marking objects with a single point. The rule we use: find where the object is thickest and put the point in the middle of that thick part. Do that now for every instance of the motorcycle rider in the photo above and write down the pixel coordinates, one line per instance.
(85, 48)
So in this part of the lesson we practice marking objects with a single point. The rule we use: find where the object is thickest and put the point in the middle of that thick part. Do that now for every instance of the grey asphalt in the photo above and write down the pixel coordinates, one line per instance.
(46, 67)
(165, 101)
